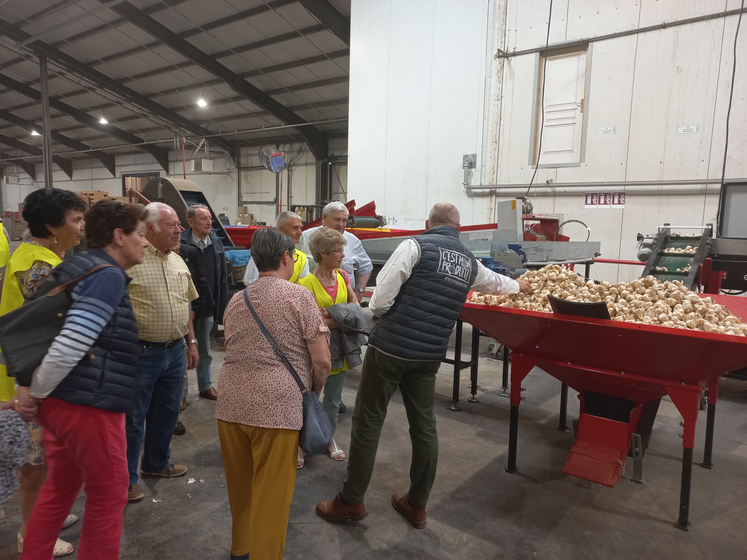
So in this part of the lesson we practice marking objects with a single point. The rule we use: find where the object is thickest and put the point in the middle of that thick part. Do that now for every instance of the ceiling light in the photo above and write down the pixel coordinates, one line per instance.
(34, 133)
(201, 102)
(102, 120)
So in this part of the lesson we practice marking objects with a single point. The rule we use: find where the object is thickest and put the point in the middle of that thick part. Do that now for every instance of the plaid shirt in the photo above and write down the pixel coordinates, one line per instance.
(161, 290)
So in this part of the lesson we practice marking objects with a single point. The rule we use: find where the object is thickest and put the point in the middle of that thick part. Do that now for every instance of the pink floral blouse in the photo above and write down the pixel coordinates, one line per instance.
(255, 387)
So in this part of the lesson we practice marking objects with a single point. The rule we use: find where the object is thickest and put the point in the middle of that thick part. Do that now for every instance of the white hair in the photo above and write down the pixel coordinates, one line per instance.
(153, 217)
(285, 216)
(334, 206)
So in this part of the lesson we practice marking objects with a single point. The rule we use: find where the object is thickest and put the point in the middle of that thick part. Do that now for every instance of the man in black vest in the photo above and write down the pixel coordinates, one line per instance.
(419, 294)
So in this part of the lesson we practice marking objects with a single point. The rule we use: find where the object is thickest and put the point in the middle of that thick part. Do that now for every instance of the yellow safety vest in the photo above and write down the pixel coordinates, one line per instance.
(323, 299)
(4, 255)
(12, 297)
(298, 265)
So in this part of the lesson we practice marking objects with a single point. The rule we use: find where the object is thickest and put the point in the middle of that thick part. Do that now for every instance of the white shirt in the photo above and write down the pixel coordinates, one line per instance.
(251, 274)
(399, 267)
(355, 255)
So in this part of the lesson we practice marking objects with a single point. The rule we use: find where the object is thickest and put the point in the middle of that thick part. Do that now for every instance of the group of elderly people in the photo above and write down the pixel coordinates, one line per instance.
(114, 373)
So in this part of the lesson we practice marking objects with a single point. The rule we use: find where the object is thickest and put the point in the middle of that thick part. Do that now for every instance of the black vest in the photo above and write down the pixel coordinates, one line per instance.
(104, 377)
(419, 324)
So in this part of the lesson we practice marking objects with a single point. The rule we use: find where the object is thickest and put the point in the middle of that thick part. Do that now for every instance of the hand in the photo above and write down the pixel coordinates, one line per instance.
(329, 321)
(524, 286)
(25, 405)
(193, 356)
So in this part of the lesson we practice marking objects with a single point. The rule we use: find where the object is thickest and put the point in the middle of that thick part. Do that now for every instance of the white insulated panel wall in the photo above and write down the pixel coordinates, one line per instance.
(418, 103)
(416, 96)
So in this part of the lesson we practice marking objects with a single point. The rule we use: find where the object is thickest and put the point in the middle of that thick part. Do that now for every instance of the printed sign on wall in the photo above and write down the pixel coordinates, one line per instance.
(605, 200)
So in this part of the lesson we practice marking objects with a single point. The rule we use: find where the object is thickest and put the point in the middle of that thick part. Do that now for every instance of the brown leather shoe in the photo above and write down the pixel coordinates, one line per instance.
(337, 511)
(173, 471)
(135, 494)
(210, 394)
(414, 516)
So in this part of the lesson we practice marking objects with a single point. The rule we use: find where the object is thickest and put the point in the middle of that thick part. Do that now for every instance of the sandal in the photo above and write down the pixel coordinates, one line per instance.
(335, 452)
(61, 548)
(70, 520)
(301, 460)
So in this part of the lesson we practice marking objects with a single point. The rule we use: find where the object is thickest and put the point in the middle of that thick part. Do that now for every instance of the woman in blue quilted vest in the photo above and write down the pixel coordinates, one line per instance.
(82, 389)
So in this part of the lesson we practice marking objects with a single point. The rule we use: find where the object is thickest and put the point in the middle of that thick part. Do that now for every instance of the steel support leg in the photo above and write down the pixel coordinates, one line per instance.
(710, 424)
(563, 424)
(504, 392)
(457, 364)
(687, 471)
(636, 445)
(513, 438)
(473, 368)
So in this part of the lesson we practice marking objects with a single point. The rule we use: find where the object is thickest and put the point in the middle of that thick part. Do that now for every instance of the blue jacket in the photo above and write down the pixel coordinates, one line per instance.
(221, 272)
(104, 377)
(420, 322)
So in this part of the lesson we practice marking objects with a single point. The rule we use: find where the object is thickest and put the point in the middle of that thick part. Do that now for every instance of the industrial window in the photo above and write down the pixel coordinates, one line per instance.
(558, 138)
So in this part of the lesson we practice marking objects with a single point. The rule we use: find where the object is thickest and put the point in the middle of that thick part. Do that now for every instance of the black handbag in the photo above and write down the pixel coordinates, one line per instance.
(316, 434)
(27, 333)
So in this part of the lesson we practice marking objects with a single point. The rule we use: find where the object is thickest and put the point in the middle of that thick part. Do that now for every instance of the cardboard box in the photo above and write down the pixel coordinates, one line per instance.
(122, 199)
(243, 210)
(17, 228)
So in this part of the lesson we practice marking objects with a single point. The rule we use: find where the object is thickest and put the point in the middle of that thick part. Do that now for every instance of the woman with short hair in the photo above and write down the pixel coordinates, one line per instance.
(259, 408)
(83, 387)
(55, 220)
(330, 285)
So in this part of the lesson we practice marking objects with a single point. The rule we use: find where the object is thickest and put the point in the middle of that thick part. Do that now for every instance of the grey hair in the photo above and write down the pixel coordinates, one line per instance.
(323, 241)
(285, 216)
(268, 247)
(192, 211)
(153, 216)
(334, 206)
(444, 213)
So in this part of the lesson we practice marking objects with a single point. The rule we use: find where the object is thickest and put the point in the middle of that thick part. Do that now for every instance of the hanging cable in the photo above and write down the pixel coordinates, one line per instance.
(542, 101)
(728, 116)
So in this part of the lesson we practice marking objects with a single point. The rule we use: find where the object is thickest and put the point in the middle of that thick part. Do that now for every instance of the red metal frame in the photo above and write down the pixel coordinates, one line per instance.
(629, 360)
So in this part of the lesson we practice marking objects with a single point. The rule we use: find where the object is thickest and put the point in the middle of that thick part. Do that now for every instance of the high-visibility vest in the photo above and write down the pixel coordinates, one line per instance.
(4, 255)
(12, 297)
(298, 265)
(323, 298)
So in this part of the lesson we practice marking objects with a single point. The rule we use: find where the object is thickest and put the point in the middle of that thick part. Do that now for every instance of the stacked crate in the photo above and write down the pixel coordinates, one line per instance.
(92, 197)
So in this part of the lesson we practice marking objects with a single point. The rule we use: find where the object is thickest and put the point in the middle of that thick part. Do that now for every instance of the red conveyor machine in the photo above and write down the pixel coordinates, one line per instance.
(631, 361)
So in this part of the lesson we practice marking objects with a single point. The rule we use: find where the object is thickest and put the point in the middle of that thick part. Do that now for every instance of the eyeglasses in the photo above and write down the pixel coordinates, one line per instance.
(341, 251)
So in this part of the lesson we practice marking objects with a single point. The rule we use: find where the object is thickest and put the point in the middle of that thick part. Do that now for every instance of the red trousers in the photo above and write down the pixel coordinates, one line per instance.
(84, 446)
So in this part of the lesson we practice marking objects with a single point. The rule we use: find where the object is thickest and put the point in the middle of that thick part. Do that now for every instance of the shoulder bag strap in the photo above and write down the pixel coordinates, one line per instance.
(74, 282)
(271, 340)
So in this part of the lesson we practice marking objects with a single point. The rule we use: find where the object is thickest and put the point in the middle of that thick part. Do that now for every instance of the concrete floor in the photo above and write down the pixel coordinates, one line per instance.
(476, 509)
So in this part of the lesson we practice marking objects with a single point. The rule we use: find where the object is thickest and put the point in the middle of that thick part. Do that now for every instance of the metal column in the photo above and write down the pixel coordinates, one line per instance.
(47, 133)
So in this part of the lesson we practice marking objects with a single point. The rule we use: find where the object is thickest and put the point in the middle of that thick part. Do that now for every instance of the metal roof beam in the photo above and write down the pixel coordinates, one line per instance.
(107, 159)
(111, 85)
(162, 5)
(161, 154)
(315, 138)
(65, 164)
(28, 166)
(330, 17)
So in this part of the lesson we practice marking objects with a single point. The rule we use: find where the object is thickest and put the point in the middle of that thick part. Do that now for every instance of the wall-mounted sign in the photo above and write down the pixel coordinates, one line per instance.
(605, 200)
(689, 129)
(606, 130)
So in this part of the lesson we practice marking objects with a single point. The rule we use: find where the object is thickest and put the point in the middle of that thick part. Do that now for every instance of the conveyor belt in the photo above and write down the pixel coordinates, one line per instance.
(670, 266)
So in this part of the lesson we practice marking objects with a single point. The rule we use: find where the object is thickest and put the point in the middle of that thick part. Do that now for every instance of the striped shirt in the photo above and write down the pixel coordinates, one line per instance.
(94, 302)
(160, 291)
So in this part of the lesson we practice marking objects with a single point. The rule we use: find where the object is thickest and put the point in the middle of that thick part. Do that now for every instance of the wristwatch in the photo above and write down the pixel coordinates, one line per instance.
(192, 341)
(361, 290)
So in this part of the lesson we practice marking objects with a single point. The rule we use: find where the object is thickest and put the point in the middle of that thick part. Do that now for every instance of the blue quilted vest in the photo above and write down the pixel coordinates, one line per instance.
(104, 377)
(419, 324)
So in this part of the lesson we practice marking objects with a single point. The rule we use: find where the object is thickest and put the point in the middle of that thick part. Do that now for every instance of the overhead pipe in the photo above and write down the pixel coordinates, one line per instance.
(672, 187)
